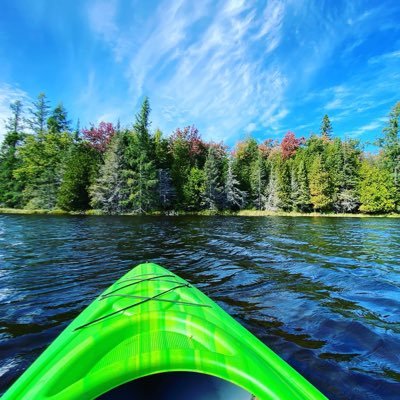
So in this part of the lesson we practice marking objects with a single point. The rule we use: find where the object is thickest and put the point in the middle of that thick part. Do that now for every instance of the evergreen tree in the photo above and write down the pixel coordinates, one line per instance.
(39, 113)
(234, 197)
(302, 199)
(213, 172)
(272, 198)
(390, 144)
(258, 177)
(108, 192)
(142, 182)
(187, 150)
(162, 154)
(11, 188)
(377, 190)
(141, 128)
(79, 171)
(320, 186)
(345, 175)
(284, 186)
(194, 189)
(246, 153)
(58, 121)
(326, 127)
(165, 188)
(42, 158)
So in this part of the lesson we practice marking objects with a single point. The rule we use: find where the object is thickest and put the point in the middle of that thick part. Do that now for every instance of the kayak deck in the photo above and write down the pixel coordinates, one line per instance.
(152, 321)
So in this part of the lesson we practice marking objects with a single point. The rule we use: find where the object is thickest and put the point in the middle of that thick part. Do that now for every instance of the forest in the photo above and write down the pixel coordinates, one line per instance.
(46, 164)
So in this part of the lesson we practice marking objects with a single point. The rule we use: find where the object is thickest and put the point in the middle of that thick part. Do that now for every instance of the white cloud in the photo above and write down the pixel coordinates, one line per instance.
(385, 57)
(210, 76)
(101, 15)
(373, 126)
(228, 66)
(8, 94)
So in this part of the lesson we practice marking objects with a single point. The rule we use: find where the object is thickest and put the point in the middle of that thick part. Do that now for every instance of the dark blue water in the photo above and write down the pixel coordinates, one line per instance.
(324, 293)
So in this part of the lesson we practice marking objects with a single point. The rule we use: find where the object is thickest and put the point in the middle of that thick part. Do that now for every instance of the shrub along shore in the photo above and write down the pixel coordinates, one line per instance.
(46, 165)
(240, 213)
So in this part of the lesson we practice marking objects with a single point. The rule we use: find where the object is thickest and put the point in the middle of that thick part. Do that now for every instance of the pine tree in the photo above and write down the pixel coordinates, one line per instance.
(326, 127)
(41, 168)
(142, 183)
(246, 153)
(234, 197)
(142, 128)
(194, 189)
(377, 190)
(39, 113)
(165, 188)
(320, 185)
(108, 193)
(58, 121)
(79, 170)
(390, 144)
(284, 186)
(258, 176)
(272, 198)
(213, 170)
(301, 200)
(162, 154)
(11, 188)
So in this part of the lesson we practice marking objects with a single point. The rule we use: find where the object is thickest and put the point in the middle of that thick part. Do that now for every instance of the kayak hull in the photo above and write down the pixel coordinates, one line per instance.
(152, 321)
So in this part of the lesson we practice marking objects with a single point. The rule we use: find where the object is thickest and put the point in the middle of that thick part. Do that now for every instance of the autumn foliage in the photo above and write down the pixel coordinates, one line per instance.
(99, 137)
(290, 144)
(190, 136)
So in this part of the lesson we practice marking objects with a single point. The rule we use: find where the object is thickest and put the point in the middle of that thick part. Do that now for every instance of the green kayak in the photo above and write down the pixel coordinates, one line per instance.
(152, 321)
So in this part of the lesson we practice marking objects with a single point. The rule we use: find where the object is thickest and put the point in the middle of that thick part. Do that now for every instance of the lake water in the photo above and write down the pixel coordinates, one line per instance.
(323, 293)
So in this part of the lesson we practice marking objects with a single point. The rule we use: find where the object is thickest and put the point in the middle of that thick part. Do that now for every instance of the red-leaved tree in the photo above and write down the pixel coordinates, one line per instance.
(99, 137)
(190, 137)
(290, 144)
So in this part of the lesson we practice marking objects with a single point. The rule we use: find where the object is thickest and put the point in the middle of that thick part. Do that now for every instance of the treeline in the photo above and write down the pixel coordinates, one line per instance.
(45, 164)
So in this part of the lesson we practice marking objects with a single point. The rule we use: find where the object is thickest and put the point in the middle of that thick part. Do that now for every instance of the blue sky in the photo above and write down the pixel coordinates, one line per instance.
(232, 68)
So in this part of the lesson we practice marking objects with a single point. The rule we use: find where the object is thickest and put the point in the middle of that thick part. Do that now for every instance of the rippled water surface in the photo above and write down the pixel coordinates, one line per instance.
(324, 293)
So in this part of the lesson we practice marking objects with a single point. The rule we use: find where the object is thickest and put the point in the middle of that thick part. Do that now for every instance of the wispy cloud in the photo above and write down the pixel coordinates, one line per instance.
(214, 74)
(373, 126)
(232, 66)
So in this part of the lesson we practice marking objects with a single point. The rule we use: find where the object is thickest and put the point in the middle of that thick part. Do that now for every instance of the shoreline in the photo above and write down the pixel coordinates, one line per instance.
(241, 213)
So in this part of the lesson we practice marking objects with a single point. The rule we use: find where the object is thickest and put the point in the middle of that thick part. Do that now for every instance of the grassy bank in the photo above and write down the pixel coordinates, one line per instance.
(243, 213)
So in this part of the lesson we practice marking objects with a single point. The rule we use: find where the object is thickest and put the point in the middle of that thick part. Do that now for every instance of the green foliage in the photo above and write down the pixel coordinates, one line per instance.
(109, 191)
(142, 184)
(301, 193)
(246, 153)
(58, 121)
(326, 127)
(271, 194)
(79, 171)
(10, 188)
(377, 190)
(390, 144)
(141, 128)
(343, 164)
(284, 186)
(320, 185)
(137, 171)
(258, 181)
(39, 113)
(234, 198)
(213, 173)
(162, 155)
(40, 170)
(194, 189)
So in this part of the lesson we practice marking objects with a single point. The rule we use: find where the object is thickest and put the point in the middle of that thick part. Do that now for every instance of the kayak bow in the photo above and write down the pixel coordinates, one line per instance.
(152, 321)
